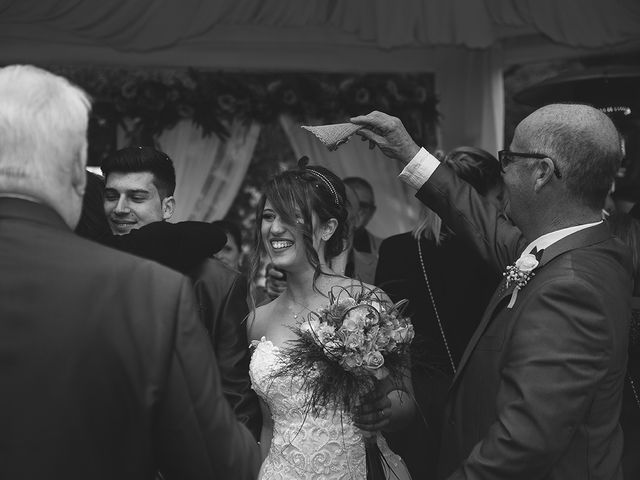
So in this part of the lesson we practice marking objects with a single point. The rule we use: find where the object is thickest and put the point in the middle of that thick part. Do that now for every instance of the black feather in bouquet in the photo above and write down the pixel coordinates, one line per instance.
(343, 349)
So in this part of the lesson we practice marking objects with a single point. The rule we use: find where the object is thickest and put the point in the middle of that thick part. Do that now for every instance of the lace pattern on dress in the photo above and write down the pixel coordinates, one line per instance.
(305, 446)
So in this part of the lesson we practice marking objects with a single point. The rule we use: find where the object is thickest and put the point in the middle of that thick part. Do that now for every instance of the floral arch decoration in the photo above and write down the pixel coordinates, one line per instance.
(146, 102)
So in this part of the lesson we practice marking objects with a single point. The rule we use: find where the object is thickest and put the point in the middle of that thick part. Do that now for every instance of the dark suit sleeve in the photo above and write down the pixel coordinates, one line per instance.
(197, 435)
(560, 351)
(222, 296)
(469, 215)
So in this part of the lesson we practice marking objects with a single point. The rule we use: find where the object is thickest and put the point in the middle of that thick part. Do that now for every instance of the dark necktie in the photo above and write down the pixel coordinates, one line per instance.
(537, 253)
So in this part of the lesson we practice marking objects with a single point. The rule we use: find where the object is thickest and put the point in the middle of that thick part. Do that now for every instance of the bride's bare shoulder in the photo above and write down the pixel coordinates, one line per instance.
(258, 320)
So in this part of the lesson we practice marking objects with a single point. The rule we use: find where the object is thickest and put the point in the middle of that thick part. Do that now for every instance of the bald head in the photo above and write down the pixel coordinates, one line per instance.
(553, 123)
(582, 141)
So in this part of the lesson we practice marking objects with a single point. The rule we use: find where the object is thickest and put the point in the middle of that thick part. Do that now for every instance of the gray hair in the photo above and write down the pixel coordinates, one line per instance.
(43, 127)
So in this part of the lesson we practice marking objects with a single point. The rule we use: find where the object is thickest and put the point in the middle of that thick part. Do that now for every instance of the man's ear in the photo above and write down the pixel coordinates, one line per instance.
(168, 207)
(78, 172)
(544, 173)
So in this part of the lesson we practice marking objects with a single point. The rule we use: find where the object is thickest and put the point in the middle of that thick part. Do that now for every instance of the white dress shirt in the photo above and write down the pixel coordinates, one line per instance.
(422, 166)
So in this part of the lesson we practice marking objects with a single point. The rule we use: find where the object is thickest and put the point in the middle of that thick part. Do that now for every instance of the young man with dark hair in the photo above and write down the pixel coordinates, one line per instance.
(139, 187)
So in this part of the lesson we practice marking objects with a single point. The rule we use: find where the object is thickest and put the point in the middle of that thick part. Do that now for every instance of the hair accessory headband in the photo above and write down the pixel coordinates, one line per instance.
(326, 181)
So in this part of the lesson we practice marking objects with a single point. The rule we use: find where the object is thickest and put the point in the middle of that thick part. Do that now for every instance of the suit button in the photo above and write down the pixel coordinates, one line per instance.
(452, 421)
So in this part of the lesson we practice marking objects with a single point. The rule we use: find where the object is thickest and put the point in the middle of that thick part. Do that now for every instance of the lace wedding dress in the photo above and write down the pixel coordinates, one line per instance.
(305, 446)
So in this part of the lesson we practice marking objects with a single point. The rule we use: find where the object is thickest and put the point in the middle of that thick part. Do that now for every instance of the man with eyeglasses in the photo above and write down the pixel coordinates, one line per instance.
(538, 391)
(363, 257)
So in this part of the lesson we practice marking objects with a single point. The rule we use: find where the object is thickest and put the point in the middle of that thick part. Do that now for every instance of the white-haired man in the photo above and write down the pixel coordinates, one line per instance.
(105, 369)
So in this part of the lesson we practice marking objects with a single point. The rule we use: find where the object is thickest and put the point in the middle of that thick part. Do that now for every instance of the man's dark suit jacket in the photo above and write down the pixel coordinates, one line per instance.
(538, 390)
(105, 369)
(221, 293)
(222, 297)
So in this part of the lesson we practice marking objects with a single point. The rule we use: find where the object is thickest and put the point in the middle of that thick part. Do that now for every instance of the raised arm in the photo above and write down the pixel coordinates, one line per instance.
(459, 205)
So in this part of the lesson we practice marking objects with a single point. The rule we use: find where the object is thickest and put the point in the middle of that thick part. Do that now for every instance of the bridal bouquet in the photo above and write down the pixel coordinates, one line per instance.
(341, 350)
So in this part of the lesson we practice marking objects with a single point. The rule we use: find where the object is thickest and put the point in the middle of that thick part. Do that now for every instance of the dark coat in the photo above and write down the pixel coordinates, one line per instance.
(222, 298)
(539, 388)
(462, 284)
(105, 369)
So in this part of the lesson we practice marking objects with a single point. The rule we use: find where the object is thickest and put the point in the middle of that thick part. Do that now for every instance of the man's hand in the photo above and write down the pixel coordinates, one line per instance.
(275, 281)
(389, 134)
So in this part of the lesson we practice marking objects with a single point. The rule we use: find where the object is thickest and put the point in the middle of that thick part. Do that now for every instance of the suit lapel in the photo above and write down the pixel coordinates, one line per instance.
(582, 238)
(500, 294)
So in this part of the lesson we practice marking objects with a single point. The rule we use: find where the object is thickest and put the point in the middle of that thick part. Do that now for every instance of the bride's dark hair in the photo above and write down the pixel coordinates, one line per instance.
(306, 189)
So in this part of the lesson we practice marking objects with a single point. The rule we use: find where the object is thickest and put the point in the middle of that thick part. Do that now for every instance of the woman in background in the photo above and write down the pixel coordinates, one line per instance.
(448, 286)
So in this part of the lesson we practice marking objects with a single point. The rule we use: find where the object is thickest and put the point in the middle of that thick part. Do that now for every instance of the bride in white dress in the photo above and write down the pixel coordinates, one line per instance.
(302, 226)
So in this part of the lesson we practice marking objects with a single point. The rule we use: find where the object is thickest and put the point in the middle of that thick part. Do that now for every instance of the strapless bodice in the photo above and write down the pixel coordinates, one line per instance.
(306, 446)
(303, 445)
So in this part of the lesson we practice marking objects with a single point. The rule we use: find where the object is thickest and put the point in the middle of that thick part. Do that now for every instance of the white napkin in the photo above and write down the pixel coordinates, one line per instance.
(332, 136)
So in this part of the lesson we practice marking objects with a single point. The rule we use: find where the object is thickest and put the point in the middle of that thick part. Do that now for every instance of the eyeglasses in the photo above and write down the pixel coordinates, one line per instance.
(367, 205)
(506, 157)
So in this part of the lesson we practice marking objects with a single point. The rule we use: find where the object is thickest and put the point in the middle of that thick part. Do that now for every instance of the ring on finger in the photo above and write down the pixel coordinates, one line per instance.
(381, 413)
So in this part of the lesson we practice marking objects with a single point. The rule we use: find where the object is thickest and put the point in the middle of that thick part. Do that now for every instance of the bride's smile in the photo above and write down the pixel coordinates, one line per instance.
(283, 241)
(281, 244)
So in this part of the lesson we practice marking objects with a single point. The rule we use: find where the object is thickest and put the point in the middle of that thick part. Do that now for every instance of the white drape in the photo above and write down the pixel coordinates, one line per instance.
(397, 208)
(209, 171)
(470, 89)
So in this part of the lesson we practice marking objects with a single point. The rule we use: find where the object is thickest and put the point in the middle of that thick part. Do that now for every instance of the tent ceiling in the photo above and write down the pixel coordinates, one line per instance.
(466, 42)
(164, 31)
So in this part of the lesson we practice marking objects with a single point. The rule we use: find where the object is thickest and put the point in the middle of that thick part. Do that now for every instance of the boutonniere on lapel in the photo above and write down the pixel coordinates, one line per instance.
(520, 273)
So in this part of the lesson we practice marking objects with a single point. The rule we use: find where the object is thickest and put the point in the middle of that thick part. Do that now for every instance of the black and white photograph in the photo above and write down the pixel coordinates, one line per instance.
(319, 240)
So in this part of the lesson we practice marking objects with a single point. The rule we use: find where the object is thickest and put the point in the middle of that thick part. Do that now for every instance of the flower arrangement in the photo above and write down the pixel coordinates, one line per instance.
(342, 349)
(522, 270)
(520, 273)
(161, 97)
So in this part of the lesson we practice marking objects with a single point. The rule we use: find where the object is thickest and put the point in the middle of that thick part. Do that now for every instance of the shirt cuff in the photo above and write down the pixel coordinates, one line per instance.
(419, 169)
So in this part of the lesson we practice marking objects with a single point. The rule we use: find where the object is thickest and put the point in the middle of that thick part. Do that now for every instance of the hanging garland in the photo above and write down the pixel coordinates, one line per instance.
(158, 99)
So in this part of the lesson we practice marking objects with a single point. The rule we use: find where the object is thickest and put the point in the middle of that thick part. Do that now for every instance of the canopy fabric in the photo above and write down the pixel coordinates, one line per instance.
(148, 25)
(467, 43)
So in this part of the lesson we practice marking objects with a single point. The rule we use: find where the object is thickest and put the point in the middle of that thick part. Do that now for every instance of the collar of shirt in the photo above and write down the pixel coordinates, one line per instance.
(550, 238)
